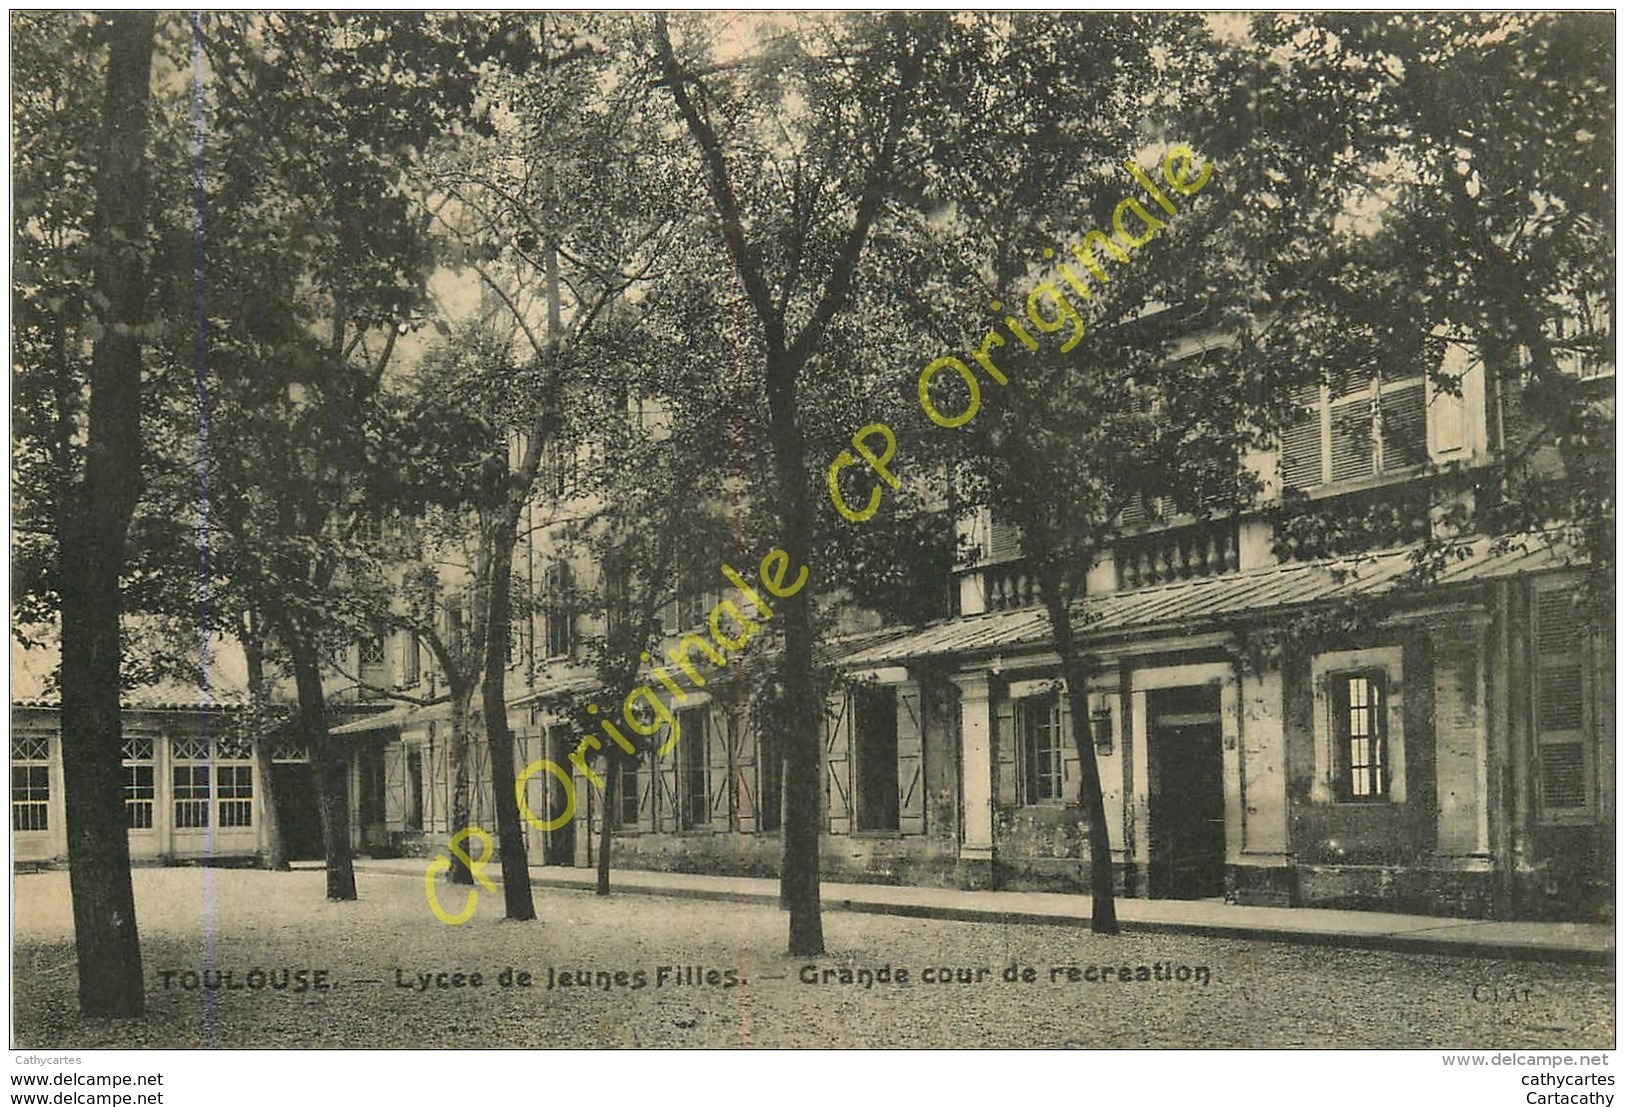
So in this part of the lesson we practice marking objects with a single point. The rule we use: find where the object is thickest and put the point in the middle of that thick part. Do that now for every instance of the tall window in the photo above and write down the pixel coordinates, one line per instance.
(626, 801)
(189, 778)
(1038, 721)
(560, 610)
(1360, 731)
(30, 782)
(411, 661)
(1360, 425)
(139, 784)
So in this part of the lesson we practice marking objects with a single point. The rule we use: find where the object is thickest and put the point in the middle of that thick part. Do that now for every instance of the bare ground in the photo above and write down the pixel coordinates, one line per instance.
(249, 922)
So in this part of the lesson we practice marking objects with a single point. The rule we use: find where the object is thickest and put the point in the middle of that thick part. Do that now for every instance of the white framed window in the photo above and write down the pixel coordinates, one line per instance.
(1359, 726)
(215, 790)
(30, 782)
(140, 782)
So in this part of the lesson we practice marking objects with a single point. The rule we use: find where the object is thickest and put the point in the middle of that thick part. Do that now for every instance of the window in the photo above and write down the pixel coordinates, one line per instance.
(1358, 426)
(1360, 731)
(413, 817)
(201, 787)
(560, 610)
(626, 800)
(1565, 748)
(139, 783)
(1038, 722)
(30, 782)
(372, 651)
(693, 779)
(235, 791)
(191, 791)
(1359, 727)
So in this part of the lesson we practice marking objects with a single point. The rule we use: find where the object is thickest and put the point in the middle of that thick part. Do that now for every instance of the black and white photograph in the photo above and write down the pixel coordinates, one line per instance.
(833, 530)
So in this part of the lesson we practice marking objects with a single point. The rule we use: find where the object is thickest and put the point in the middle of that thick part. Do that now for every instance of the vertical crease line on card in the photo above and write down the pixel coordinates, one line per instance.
(201, 382)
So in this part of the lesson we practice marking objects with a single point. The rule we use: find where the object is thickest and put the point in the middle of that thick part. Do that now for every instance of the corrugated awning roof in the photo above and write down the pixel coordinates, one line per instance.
(1190, 604)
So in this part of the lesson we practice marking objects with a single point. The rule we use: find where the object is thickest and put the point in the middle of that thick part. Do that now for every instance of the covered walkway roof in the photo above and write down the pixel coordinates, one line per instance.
(1194, 604)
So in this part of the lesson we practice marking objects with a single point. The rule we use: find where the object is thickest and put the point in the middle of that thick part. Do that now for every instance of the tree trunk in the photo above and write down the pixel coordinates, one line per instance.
(803, 747)
(331, 765)
(1103, 901)
(457, 754)
(94, 524)
(612, 785)
(276, 850)
(516, 894)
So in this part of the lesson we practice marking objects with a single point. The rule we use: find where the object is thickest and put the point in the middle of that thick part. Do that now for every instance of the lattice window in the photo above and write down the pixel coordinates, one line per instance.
(233, 747)
(189, 749)
(138, 749)
(30, 747)
(190, 789)
(234, 788)
(372, 651)
(289, 749)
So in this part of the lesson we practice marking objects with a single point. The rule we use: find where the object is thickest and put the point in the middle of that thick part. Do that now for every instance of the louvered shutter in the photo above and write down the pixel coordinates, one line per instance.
(1353, 455)
(742, 741)
(1301, 464)
(719, 765)
(1404, 425)
(837, 764)
(1562, 709)
(395, 786)
(910, 760)
(1133, 511)
(1004, 748)
(1004, 540)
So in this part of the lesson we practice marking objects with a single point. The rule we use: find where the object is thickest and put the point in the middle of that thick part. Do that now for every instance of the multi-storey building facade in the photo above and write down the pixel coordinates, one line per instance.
(1449, 751)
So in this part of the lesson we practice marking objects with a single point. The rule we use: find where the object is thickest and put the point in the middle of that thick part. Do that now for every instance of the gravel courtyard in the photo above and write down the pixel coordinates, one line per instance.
(261, 935)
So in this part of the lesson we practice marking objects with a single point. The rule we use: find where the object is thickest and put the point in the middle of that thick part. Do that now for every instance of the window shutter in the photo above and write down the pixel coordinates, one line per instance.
(742, 740)
(837, 764)
(1562, 702)
(1404, 425)
(719, 765)
(668, 814)
(1004, 748)
(1004, 539)
(1134, 510)
(1352, 453)
(395, 786)
(910, 761)
(1070, 769)
(1300, 448)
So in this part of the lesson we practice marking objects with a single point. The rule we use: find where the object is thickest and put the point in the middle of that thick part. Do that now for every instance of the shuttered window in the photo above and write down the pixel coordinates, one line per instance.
(1353, 428)
(1565, 752)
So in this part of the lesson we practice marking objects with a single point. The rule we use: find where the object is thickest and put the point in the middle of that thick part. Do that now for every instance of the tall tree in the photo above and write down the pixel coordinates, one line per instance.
(793, 219)
(93, 523)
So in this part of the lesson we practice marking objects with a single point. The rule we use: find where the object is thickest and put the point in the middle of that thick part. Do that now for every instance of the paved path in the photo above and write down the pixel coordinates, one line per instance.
(1586, 943)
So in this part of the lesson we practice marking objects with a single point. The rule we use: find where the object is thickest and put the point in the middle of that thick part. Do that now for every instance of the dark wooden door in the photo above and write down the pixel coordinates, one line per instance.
(1187, 810)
